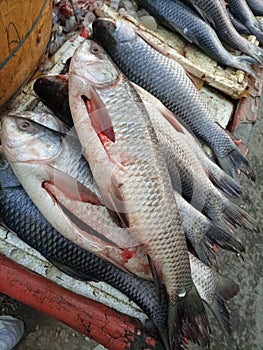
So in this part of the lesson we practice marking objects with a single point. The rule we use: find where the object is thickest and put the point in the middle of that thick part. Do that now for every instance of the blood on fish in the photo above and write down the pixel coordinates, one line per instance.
(100, 121)
(127, 254)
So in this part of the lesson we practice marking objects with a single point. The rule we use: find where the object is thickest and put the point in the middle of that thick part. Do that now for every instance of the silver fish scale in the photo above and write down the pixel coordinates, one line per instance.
(206, 279)
(167, 80)
(215, 13)
(187, 173)
(153, 216)
(180, 17)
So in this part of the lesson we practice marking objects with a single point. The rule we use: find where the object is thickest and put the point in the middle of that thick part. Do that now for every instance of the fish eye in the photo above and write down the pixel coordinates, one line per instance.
(95, 49)
(24, 125)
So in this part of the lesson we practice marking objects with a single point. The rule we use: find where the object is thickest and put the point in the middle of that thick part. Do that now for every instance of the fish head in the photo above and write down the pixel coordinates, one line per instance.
(27, 137)
(113, 32)
(91, 66)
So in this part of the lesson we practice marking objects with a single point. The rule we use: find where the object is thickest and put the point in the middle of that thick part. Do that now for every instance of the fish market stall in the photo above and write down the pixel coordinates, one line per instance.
(96, 309)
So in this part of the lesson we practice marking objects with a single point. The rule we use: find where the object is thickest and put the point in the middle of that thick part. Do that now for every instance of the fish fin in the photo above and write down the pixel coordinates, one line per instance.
(70, 187)
(235, 161)
(99, 116)
(238, 218)
(156, 278)
(221, 238)
(205, 253)
(229, 186)
(71, 271)
(115, 203)
(188, 316)
(225, 290)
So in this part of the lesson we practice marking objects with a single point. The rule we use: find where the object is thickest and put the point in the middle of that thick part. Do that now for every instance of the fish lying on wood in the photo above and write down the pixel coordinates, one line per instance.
(168, 81)
(132, 176)
(214, 12)
(179, 17)
(201, 232)
(53, 92)
(24, 141)
(241, 10)
(20, 214)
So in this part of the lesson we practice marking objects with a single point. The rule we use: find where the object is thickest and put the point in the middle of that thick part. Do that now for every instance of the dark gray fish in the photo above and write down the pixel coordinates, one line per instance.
(242, 11)
(214, 12)
(21, 216)
(167, 80)
(256, 7)
(240, 27)
(181, 18)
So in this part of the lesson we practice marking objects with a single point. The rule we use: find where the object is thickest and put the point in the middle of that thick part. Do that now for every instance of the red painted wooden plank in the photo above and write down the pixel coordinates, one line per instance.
(108, 327)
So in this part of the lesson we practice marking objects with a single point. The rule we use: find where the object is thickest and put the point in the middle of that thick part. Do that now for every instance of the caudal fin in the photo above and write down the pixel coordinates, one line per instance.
(187, 317)
(244, 64)
(221, 238)
(235, 161)
(229, 186)
(238, 218)
(226, 289)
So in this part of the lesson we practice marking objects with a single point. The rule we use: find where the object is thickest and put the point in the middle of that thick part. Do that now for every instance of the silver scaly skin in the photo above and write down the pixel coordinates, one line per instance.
(180, 18)
(166, 79)
(214, 12)
(131, 174)
(243, 13)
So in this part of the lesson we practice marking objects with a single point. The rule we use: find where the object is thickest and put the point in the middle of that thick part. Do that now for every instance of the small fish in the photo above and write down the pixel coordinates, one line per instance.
(214, 12)
(167, 80)
(181, 18)
(132, 177)
(256, 7)
(241, 10)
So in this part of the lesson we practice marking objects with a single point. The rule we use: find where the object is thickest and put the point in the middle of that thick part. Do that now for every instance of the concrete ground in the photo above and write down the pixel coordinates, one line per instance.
(44, 333)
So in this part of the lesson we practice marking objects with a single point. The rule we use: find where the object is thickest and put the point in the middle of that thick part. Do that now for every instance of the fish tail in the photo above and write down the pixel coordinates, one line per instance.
(238, 218)
(187, 317)
(235, 161)
(244, 64)
(226, 289)
(205, 253)
(217, 236)
(228, 186)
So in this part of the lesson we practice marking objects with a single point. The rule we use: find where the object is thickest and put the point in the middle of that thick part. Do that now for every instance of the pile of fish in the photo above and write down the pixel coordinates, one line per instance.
(115, 187)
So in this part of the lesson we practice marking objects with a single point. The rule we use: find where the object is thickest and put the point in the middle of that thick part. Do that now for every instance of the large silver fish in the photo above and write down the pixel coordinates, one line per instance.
(199, 230)
(181, 18)
(122, 149)
(167, 80)
(37, 156)
(214, 12)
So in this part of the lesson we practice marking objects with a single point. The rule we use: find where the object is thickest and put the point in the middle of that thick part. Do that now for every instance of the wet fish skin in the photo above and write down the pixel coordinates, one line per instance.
(21, 216)
(256, 7)
(181, 18)
(56, 83)
(201, 232)
(33, 163)
(138, 189)
(242, 11)
(167, 80)
(240, 27)
(214, 12)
